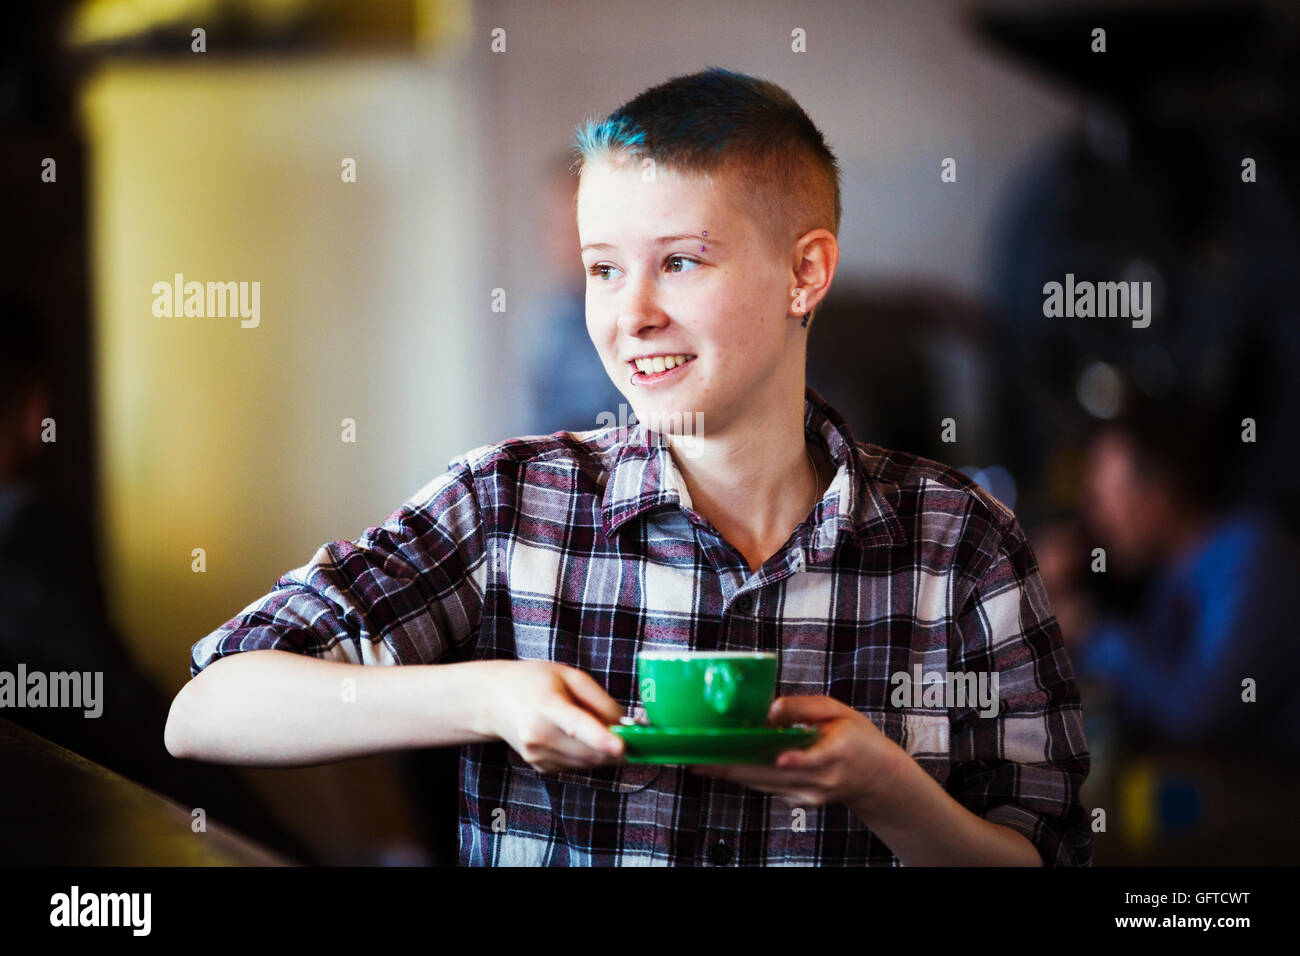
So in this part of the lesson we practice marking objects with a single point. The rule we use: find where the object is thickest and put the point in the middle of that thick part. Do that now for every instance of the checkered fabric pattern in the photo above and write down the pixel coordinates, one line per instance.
(583, 548)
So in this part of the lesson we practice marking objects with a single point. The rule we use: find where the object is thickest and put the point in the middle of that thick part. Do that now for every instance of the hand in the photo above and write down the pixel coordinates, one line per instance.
(851, 760)
(553, 715)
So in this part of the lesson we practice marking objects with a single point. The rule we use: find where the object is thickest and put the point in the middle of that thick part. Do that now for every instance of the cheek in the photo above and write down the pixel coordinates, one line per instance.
(1126, 511)
(1108, 504)
(1147, 513)
(599, 329)
(745, 324)
(1105, 515)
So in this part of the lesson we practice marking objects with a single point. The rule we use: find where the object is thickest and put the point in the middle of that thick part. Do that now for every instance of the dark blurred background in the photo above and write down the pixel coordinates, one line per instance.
(1151, 462)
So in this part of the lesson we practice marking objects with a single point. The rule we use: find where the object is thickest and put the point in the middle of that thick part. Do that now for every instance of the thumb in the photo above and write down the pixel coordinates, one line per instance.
(804, 709)
(591, 695)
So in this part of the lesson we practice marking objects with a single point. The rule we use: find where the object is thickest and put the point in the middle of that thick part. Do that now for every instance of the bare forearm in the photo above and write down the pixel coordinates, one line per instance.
(278, 709)
(924, 826)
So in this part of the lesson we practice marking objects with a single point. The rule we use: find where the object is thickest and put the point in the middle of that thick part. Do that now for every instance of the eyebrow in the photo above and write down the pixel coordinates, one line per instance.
(658, 242)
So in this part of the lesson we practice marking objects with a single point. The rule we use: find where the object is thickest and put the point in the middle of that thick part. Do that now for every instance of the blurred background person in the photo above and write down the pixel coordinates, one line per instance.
(1171, 587)
(569, 388)
(1205, 588)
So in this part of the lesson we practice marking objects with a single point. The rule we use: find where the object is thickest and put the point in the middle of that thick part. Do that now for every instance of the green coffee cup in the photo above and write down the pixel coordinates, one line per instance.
(707, 688)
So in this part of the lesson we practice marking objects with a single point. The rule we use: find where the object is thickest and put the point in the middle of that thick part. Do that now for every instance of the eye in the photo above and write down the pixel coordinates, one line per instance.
(599, 270)
(683, 259)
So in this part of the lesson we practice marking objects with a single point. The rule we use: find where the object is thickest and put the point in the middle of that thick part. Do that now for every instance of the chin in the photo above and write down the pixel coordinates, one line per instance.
(672, 419)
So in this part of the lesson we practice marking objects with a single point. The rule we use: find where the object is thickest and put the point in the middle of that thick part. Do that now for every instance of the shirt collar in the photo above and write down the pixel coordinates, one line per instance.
(644, 477)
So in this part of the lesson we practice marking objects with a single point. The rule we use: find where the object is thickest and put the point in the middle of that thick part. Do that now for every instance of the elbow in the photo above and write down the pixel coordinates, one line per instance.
(176, 736)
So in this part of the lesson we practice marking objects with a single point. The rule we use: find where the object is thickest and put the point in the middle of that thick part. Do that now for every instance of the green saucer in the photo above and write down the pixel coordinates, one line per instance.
(685, 745)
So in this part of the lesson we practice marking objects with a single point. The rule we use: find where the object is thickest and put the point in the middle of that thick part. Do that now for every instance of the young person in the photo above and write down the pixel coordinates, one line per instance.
(740, 514)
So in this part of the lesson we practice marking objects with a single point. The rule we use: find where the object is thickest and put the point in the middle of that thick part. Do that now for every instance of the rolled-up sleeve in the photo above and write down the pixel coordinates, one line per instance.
(1023, 766)
(409, 591)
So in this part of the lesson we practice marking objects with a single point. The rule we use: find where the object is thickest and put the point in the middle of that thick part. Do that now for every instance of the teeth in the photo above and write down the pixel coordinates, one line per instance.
(660, 363)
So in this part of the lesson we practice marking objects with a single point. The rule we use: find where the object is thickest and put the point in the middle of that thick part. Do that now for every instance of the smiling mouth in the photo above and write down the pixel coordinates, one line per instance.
(658, 367)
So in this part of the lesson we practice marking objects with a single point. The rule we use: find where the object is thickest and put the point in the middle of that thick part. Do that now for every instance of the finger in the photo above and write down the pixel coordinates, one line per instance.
(585, 730)
(591, 695)
(562, 750)
(804, 708)
(809, 759)
(813, 757)
(551, 762)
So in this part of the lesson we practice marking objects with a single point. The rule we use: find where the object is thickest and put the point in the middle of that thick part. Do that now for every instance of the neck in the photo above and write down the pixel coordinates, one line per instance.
(752, 479)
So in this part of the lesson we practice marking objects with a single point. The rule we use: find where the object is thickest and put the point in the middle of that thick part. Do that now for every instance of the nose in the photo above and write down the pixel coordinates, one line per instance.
(638, 308)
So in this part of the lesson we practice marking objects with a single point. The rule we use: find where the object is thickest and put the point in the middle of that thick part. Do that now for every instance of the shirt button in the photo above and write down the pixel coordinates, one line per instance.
(742, 603)
(720, 853)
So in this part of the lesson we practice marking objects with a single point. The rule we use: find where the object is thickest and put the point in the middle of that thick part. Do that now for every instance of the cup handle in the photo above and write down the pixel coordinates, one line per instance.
(720, 687)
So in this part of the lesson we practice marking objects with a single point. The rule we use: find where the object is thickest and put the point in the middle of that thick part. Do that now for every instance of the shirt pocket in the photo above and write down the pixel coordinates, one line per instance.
(890, 723)
(926, 736)
(614, 778)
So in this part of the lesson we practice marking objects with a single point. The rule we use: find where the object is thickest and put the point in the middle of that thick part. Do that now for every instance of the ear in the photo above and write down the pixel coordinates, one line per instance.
(819, 254)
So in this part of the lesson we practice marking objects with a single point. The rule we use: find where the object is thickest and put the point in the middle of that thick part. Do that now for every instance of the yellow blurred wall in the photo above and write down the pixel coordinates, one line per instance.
(227, 438)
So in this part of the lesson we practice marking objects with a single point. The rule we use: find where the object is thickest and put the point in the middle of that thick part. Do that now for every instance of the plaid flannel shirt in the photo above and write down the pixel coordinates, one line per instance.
(583, 548)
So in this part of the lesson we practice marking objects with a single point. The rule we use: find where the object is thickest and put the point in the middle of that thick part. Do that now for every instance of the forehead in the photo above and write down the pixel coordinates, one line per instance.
(617, 203)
